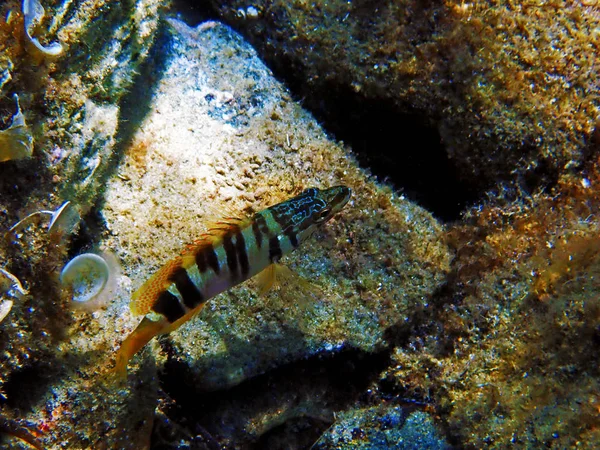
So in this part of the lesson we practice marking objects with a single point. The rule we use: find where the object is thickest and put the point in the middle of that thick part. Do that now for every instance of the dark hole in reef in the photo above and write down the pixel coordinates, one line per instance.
(193, 12)
(310, 390)
(399, 148)
(23, 178)
(25, 386)
(541, 177)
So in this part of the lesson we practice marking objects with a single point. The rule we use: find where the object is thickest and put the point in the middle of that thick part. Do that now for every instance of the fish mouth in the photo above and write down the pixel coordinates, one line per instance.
(337, 197)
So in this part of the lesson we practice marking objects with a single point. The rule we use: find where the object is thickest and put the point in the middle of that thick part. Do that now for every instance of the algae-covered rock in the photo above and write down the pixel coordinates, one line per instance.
(512, 87)
(510, 356)
(54, 361)
(385, 426)
(222, 137)
(155, 130)
(86, 56)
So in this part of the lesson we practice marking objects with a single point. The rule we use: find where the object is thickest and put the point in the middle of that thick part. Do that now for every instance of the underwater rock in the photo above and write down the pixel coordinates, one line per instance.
(512, 87)
(103, 46)
(53, 361)
(510, 357)
(222, 138)
(288, 407)
(385, 426)
(54, 374)
(190, 127)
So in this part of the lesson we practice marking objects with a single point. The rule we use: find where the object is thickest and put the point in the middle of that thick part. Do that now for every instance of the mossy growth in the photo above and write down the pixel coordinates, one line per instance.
(509, 359)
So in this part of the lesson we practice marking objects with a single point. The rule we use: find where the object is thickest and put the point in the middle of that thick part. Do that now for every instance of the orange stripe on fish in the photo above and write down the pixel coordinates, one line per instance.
(228, 254)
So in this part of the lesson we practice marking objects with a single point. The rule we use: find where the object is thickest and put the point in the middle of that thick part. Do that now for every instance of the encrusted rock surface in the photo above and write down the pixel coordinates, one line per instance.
(154, 130)
(54, 361)
(512, 87)
(384, 426)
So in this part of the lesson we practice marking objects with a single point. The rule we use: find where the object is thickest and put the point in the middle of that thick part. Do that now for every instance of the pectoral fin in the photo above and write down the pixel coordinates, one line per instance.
(275, 275)
(292, 286)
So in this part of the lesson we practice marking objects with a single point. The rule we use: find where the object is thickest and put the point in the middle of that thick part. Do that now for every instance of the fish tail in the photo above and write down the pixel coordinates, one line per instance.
(144, 332)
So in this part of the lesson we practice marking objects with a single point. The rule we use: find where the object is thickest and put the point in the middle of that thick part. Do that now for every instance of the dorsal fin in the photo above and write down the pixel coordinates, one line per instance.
(223, 226)
(213, 236)
(144, 298)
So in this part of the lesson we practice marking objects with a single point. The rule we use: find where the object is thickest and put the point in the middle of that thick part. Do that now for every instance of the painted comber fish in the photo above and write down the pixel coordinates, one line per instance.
(227, 255)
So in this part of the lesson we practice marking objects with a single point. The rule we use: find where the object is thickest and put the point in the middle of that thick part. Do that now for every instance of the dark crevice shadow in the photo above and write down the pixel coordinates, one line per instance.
(24, 387)
(309, 391)
(91, 230)
(193, 13)
(136, 104)
(21, 179)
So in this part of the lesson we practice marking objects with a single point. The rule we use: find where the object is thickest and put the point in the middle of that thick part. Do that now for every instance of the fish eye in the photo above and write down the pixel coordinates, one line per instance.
(322, 215)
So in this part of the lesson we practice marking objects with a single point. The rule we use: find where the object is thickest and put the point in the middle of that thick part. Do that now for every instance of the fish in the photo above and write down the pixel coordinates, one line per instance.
(231, 252)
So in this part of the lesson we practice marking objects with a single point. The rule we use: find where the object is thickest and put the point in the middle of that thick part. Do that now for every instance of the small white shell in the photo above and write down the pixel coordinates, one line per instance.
(33, 13)
(86, 275)
(5, 308)
(64, 219)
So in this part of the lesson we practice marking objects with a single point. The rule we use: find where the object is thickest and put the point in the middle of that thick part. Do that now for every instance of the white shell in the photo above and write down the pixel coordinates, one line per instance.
(5, 308)
(64, 218)
(86, 275)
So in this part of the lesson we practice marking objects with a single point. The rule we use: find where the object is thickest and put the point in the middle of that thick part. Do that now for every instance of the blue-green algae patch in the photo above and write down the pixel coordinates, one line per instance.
(382, 427)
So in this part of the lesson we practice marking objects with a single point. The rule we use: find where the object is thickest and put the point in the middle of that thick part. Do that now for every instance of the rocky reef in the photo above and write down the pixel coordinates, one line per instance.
(520, 325)
(125, 133)
(511, 87)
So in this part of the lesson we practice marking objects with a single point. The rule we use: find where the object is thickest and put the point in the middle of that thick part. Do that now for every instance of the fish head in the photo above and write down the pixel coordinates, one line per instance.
(326, 203)
(301, 215)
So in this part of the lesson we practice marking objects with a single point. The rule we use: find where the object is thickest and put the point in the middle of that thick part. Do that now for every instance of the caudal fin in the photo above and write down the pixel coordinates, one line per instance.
(145, 331)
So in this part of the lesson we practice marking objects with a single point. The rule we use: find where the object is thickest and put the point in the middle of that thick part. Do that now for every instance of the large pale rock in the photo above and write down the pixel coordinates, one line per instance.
(222, 137)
